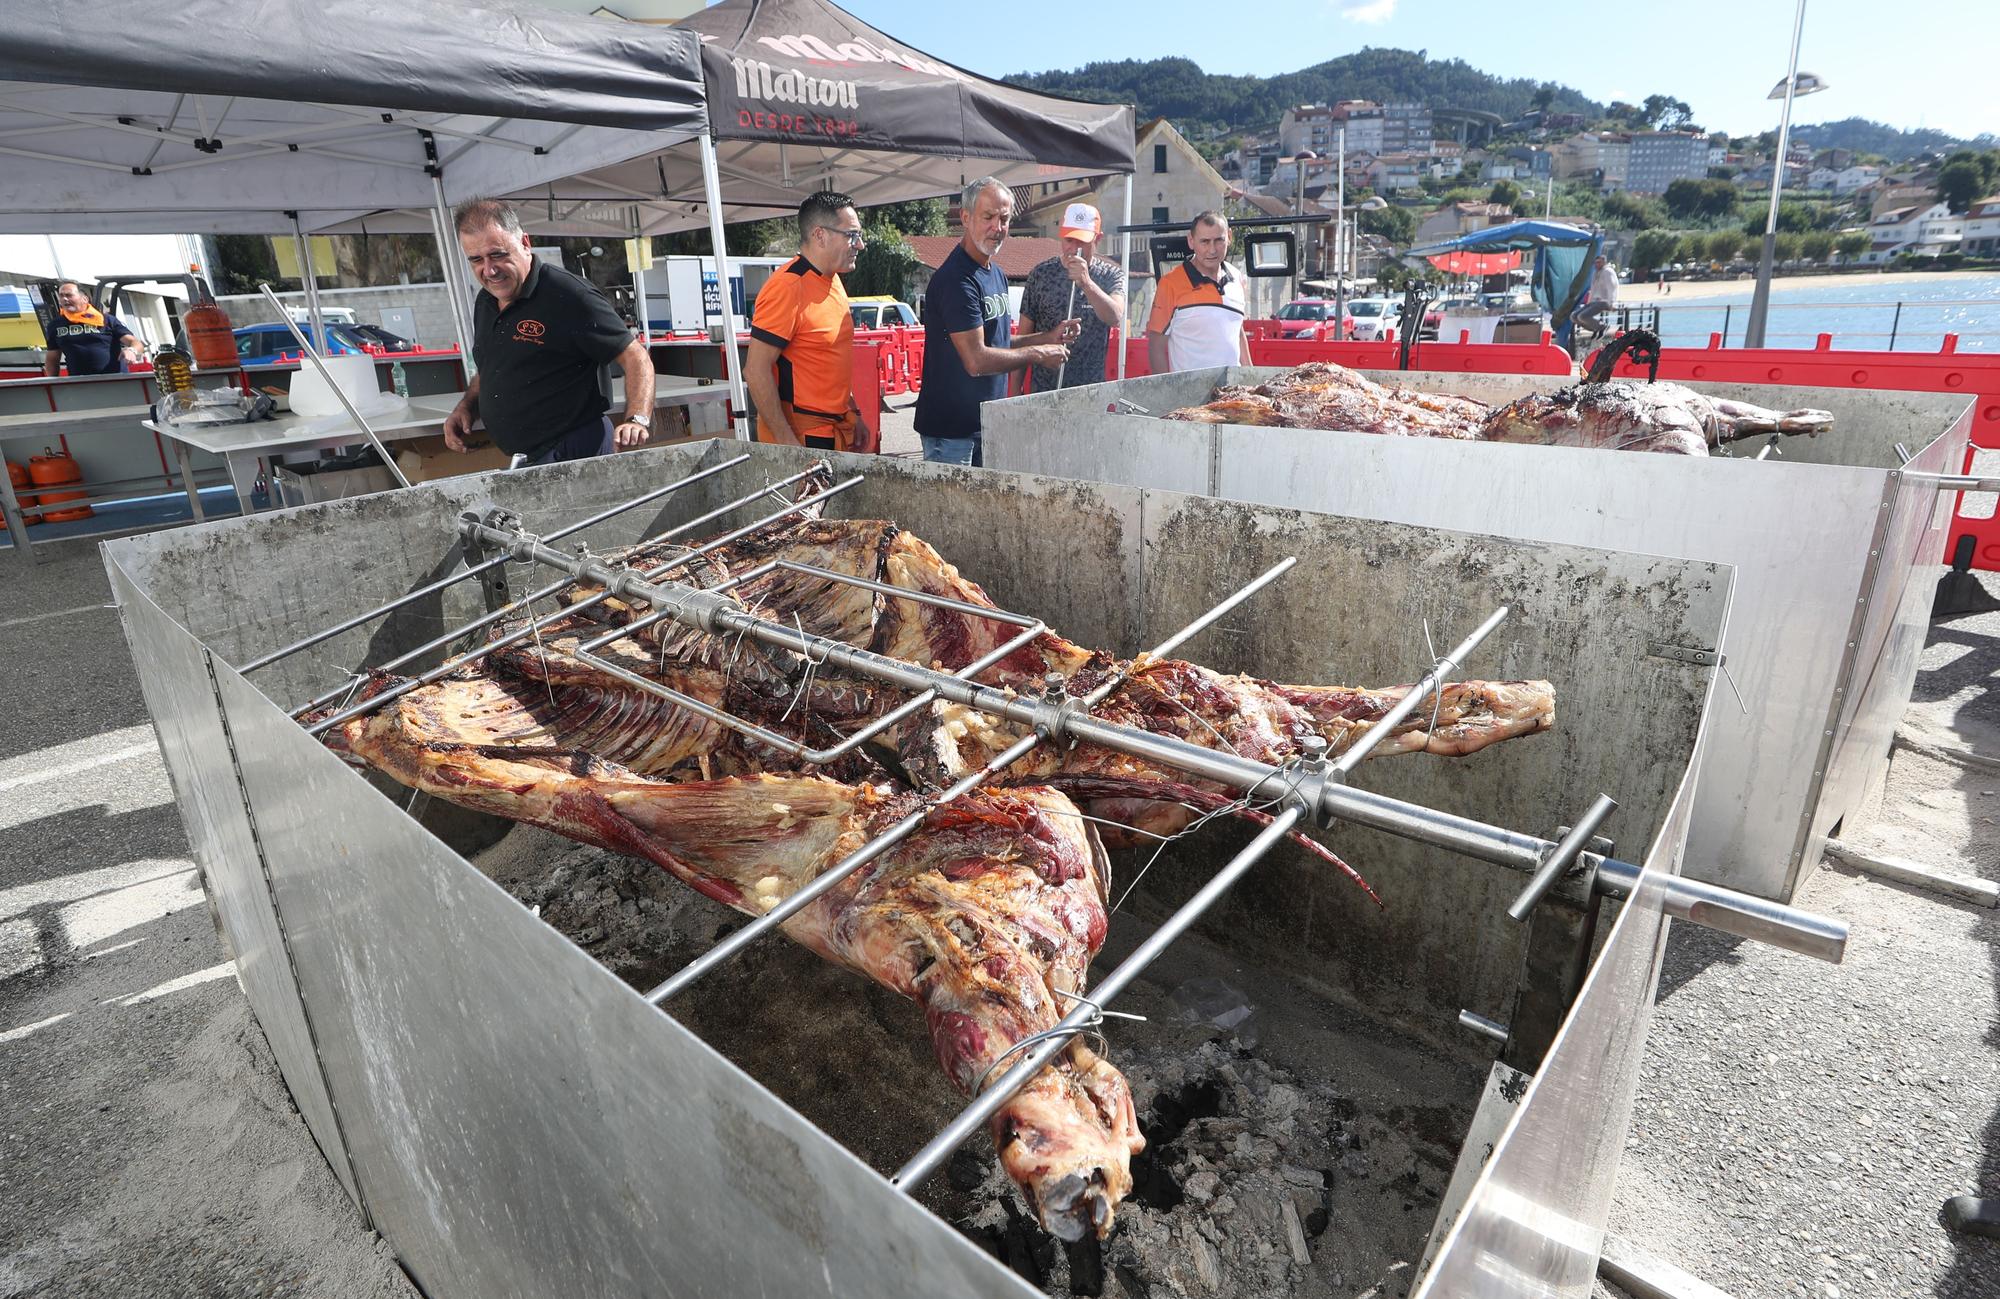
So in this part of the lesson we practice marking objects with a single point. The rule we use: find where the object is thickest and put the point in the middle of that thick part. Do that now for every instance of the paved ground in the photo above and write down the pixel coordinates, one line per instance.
(147, 1144)
(1798, 1129)
(1801, 1125)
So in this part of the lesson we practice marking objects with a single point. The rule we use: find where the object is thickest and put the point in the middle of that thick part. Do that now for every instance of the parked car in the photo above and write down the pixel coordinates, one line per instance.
(1373, 320)
(262, 344)
(382, 338)
(1428, 331)
(876, 312)
(1306, 318)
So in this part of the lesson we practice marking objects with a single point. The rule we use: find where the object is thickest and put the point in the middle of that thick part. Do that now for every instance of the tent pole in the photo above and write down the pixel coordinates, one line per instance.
(451, 267)
(641, 244)
(1125, 264)
(732, 359)
(309, 279)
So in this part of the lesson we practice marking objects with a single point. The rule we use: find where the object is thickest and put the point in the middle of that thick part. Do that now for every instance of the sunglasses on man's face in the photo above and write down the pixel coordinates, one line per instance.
(853, 237)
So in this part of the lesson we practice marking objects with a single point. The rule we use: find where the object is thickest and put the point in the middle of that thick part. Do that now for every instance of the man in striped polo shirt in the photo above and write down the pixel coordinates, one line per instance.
(1198, 307)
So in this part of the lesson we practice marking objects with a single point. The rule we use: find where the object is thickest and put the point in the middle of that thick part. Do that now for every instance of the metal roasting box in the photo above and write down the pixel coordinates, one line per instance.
(1836, 543)
(516, 1119)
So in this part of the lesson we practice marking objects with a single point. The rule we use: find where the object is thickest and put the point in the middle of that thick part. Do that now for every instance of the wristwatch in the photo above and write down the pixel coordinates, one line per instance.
(641, 418)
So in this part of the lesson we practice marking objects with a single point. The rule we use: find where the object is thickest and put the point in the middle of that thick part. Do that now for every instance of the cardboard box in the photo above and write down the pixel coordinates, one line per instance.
(335, 484)
(422, 459)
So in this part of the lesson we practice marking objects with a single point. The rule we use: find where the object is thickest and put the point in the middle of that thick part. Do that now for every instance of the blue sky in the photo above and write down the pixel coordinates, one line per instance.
(1721, 56)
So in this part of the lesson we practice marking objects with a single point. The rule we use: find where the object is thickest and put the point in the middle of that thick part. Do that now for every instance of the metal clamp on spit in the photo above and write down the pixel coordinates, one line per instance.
(1562, 857)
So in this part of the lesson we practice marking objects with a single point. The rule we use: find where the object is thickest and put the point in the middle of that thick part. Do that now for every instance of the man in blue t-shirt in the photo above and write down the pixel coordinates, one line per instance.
(969, 347)
(85, 339)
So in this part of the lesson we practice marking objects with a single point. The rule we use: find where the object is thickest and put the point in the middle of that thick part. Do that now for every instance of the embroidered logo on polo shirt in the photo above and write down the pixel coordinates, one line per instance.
(529, 331)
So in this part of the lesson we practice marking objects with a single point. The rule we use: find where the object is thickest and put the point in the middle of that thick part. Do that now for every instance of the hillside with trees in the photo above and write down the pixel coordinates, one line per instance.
(1863, 136)
(1201, 103)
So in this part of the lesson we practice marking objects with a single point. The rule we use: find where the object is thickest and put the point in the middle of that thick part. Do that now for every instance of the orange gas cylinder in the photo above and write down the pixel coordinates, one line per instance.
(18, 476)
(210, 336)
(55, 468)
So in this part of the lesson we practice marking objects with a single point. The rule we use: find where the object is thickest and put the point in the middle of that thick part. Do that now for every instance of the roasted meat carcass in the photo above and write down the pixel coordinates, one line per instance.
(985, 919)
(1626, 415)
(986, 916)
(1323, 395)
(1622, 415)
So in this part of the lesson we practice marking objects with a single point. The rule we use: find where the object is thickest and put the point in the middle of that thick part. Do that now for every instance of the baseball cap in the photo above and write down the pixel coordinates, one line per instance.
(1080, 221)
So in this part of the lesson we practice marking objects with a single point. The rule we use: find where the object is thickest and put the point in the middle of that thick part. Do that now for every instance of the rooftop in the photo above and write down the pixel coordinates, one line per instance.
(1015, 259)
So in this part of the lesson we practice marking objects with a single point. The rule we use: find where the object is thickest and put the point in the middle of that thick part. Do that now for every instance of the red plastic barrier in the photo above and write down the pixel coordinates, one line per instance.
(869, 358)
(1463, 358)
(1945, 370)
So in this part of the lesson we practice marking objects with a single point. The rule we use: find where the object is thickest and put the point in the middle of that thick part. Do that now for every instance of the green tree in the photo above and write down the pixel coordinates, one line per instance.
(1505, 192)
(243, 262)
(1545, 94)
(1627, 211)
(1652, 250)
(1787, 245)
(1816, 245)
(1396, 224)
(1965, 179)
(884, 265)
(1691, 248)
(1851, 244)
(1688, 200)
(1723, 245)
(924, 216)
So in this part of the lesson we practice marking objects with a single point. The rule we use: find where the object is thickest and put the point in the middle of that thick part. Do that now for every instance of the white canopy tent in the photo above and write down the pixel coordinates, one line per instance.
(329, 110)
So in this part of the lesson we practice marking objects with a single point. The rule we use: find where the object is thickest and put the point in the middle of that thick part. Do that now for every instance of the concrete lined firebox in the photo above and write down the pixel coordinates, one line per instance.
(513, 1118)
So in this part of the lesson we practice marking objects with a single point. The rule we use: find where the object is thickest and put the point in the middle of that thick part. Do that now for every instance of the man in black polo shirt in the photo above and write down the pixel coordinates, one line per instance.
(539, 336)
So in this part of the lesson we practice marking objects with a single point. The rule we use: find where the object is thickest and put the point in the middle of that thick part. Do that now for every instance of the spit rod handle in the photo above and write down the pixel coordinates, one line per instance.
(1967, 483)
(1562, 857)
(1724, 909)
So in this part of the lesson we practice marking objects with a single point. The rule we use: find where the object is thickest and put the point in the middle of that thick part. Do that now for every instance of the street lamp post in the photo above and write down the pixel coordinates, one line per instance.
(1789, 89)
(1299, 161)
(1340, 231)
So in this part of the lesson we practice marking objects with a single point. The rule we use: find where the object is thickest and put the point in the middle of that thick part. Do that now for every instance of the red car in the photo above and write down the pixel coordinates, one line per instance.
(1306, 318)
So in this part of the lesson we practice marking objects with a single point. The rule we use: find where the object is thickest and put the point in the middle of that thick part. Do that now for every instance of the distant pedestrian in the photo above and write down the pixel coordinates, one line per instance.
(969, 343)
(85, 339)
(1198, 307)
(800, 368)
(1076, 283)
(1603, 295)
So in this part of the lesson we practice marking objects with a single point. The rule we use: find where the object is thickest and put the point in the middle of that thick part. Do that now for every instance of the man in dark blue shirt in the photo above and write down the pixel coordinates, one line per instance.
(84, 338)
(969, 347)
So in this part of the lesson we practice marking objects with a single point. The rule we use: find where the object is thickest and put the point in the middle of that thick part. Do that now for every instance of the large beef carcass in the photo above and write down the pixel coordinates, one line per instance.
(1626, 415)
(988, 914)
(1621, 415)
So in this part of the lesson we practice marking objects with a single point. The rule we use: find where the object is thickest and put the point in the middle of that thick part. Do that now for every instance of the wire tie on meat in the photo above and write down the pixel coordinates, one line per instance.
(1090, 1027)
(1244, 804)
(1085, 1001)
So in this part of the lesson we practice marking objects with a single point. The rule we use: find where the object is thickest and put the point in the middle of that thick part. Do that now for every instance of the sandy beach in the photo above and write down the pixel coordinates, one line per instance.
(1698, 290)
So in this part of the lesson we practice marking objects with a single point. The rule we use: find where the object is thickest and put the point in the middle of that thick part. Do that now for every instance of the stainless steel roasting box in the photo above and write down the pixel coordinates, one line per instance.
(1836, 541)
(515, 1119)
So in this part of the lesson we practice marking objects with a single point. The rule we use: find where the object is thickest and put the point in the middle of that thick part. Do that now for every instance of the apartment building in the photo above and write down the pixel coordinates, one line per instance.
(1656, 159)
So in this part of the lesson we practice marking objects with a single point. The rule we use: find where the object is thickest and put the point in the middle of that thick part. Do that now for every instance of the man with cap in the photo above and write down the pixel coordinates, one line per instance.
(1198, 307)
(801, 364)
(1072, 283)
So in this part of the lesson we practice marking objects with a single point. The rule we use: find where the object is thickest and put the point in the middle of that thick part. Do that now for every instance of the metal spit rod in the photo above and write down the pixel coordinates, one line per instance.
(527, 601)
(534, 626)
(432, 588)
(586, 652)
(824, 882)
(306, 350)
(1710, 905)
(1181, 637)
(1433, 680)
(1563, 856)
(928, 1160)
(897, 833)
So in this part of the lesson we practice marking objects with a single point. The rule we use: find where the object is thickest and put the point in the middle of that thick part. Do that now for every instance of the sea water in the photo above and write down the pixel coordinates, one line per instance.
(1861, 314)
